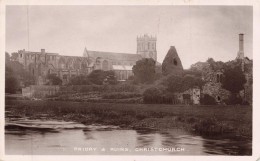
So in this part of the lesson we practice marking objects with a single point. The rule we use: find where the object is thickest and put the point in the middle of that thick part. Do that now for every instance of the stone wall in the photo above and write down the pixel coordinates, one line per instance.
(190, 96)
(39, 91)
(215, 90)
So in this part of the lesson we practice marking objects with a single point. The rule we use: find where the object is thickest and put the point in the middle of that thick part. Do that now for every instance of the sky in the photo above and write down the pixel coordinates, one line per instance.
(197, 32)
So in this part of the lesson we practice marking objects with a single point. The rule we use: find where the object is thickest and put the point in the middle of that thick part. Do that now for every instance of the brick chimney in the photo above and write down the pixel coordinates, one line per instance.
(240, 54)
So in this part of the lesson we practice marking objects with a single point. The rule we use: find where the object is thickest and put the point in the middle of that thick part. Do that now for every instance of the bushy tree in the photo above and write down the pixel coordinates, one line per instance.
(234, 79)
(176, 83)
(22, 76)
(208, 100)
(11, 82)
(110, 79)
(54, 79)
(99, 76)
(144, 70)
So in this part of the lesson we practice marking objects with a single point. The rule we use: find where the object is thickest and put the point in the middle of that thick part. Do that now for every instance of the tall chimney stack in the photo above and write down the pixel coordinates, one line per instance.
(241, 42)
(240, 54)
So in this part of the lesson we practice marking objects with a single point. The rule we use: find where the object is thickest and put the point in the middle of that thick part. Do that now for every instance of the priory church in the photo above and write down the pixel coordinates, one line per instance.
(42, 63)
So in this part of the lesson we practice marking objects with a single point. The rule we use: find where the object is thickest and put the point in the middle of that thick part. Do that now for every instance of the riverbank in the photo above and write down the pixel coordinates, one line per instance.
(205, 120)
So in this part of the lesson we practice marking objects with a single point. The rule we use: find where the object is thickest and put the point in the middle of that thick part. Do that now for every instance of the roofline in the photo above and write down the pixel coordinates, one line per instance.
(112, 52)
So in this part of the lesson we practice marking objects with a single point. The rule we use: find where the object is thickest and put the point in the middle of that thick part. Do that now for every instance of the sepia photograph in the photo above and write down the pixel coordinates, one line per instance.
(128, 80)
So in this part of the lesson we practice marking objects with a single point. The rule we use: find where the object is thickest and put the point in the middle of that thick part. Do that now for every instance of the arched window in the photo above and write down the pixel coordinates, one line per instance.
(98, 60)
(175, 62)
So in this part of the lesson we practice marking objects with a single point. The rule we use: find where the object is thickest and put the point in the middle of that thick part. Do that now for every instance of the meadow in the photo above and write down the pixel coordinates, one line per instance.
(206, 120)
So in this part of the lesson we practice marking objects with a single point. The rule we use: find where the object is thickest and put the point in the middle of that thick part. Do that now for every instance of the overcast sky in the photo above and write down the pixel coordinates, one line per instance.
(197, 32)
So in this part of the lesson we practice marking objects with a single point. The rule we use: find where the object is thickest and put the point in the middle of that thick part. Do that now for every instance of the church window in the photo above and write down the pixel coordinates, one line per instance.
(21, 55)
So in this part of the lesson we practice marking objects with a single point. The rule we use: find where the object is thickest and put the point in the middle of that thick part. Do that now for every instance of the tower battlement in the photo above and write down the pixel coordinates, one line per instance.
(146, 37)
(146, 46)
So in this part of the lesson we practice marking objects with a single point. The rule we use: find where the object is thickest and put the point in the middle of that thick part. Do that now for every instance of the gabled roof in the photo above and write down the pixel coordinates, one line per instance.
(114, 56)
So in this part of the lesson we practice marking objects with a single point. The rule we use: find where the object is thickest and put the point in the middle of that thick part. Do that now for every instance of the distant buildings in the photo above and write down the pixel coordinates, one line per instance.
(42, 63)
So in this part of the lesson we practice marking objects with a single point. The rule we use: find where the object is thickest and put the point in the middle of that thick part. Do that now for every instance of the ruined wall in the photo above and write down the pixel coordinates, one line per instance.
(215, 90)
(172, 63)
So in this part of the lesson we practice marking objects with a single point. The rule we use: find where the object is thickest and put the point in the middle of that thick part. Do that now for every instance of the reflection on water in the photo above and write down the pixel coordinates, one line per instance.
(27, 137)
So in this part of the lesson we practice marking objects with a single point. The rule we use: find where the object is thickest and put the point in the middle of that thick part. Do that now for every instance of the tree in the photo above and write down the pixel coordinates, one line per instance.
(98, 77)
(144, 70)
(54, 79)
(176, 83)
(11, 82)
(14, 56)
(22, 76)
(7, 57)
(234, 79)
(110, 79)
(215, 65)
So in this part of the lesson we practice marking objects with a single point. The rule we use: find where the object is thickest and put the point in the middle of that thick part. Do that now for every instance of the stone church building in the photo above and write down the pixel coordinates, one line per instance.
(41, 64)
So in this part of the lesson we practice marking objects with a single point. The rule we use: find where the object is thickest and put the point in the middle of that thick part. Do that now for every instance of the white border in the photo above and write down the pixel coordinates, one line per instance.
(256, 69)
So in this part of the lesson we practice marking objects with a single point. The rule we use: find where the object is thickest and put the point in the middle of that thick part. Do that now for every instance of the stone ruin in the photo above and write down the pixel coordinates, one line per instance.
(172, 63)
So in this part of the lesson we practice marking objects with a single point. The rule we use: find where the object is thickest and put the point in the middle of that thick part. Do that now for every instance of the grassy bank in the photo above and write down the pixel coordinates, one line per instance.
(206, 120)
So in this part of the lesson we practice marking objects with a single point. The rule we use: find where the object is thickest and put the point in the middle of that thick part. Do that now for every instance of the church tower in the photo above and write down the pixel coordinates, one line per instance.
(146, 47)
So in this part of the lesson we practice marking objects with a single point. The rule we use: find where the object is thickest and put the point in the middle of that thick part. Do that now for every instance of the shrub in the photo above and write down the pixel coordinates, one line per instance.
(80, 80)
(207, 100)
(233, 100)
(99, 76)
(152, 95)
(54, 79)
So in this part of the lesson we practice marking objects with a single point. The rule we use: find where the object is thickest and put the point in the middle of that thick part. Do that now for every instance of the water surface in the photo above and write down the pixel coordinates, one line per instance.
(50, 137)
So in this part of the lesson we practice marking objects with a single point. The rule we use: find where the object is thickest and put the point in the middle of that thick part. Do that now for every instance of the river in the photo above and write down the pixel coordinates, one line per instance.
(52, 137)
